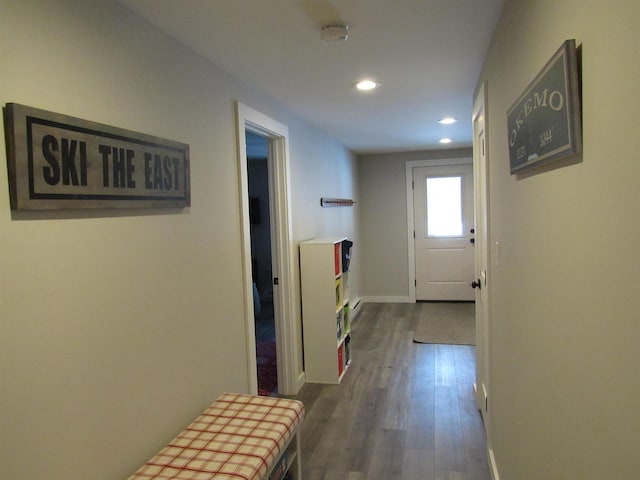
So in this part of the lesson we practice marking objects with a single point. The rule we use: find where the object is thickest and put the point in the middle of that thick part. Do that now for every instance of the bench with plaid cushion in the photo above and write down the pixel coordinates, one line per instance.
(239, 437)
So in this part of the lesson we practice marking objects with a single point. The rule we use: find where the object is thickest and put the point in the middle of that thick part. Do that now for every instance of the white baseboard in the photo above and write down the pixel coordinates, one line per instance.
(355, 307)
(493, 468)
(300, 383)
(390, 299)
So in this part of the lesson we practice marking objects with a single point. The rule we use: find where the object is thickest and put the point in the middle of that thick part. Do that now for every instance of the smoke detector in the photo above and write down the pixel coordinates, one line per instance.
(334, 32)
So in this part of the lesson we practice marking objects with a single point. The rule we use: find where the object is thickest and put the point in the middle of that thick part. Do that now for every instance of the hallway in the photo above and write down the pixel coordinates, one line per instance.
(403, 411)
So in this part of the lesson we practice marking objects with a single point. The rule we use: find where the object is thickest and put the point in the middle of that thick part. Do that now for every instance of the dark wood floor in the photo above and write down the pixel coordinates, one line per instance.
(403, 410)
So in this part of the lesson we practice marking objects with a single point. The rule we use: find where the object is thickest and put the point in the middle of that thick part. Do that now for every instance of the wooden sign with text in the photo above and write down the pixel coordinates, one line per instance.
(544, 123)
(61, 162)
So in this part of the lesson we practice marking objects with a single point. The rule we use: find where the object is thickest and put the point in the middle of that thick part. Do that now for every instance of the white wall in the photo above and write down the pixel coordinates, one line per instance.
(565, 329)
(118, 327)
(383, 220)
(325, 169)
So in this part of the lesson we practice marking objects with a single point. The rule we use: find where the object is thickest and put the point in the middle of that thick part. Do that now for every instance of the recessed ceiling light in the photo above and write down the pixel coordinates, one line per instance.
(445, 140)
(366, 85)
(447, 121)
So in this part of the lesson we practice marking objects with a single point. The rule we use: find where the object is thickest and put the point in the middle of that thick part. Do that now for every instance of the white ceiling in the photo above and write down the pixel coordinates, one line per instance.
(427, 54)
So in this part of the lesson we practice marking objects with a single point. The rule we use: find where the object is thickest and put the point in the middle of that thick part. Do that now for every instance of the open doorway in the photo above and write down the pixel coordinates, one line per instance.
(261, 262)
(290, 375)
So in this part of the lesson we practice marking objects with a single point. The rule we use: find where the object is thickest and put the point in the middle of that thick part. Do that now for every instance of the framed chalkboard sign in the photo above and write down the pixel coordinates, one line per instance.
(544, 123)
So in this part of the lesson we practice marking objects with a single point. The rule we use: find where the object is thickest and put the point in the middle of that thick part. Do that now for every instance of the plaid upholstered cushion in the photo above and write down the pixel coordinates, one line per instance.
(237, 438)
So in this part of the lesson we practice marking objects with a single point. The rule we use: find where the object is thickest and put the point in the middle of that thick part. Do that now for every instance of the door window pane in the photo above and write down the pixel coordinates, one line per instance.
(444, 206)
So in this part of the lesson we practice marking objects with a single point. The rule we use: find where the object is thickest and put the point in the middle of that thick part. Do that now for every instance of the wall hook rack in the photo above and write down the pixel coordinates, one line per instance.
(326, 202)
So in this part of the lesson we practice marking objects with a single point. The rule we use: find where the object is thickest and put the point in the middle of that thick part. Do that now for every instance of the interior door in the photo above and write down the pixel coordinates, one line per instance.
(483, 339)
(443, 221)
(289, 358)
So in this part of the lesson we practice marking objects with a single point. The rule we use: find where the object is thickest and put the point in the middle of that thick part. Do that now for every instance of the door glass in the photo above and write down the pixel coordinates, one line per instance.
(444, 206)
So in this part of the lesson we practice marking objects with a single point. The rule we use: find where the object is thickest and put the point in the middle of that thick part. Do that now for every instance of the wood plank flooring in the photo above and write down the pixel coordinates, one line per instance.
(403, 410)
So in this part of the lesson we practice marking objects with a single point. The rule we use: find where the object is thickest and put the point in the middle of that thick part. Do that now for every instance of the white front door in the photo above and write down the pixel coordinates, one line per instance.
(443, 221)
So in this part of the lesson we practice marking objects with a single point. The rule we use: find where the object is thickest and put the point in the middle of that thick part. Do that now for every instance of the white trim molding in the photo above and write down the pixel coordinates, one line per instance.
(283, 251)
(493, 467)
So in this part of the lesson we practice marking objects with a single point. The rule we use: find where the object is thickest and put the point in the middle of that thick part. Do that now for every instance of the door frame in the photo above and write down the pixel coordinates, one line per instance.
(287, 330)
(411, 246)
(482, 385)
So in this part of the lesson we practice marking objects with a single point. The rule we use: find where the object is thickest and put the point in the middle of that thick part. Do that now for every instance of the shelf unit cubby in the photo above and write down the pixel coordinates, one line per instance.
(326, 315)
